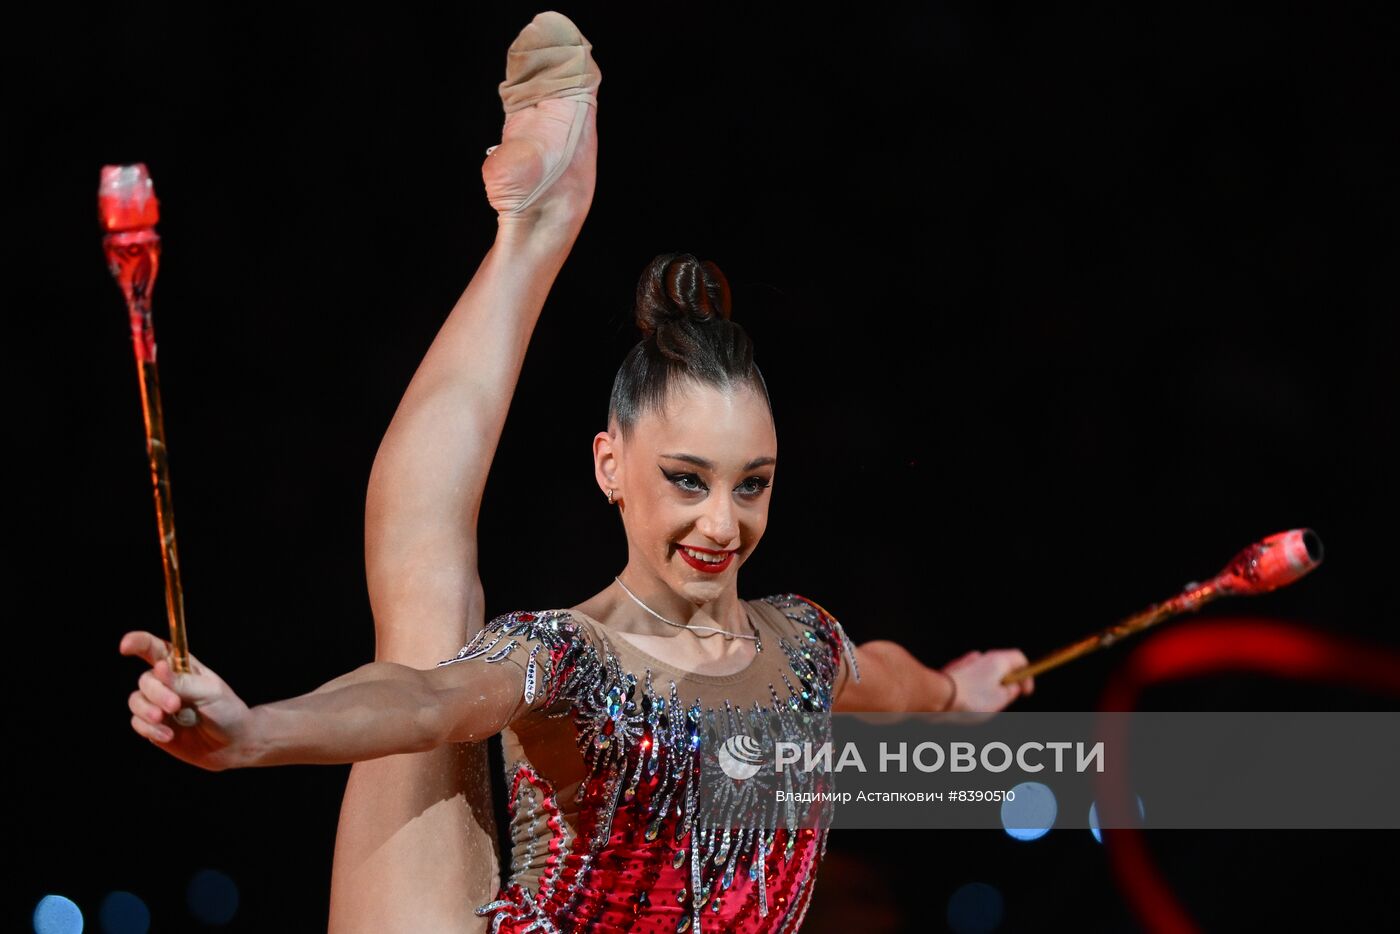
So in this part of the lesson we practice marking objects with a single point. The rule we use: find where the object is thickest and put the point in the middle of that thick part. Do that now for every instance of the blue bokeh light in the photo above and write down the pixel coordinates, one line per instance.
(124, 913)
(975, 908)
(1031, 813)
(212, 897)
(1094, 817)
(57, 915)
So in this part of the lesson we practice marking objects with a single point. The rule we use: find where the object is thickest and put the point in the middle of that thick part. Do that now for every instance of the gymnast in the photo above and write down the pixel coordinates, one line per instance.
(597, 704)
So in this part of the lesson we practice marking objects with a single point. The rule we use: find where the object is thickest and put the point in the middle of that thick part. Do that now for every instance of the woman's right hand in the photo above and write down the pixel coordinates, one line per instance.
(219, 734)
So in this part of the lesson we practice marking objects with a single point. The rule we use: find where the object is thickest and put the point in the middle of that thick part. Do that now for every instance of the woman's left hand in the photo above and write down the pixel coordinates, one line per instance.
(978, 677)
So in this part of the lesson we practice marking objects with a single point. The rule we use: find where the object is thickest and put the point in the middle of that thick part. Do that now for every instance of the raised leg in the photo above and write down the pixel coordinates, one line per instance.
(416, 848)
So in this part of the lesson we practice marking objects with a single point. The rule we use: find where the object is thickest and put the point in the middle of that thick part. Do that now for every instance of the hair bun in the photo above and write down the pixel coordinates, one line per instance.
(677, 288)
(682, 309)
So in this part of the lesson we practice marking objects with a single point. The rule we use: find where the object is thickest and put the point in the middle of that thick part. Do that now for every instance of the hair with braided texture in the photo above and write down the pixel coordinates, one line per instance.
(683, 311)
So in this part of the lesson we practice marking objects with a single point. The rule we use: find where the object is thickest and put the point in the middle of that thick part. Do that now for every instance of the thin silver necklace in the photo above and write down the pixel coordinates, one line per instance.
(693, 627)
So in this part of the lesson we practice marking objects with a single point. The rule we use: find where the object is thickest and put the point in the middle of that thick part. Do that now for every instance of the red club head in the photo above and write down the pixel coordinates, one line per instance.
(1272, 563)
(126, 199)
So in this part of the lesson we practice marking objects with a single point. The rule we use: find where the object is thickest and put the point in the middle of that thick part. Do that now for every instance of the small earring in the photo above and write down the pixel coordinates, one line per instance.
(610, 497)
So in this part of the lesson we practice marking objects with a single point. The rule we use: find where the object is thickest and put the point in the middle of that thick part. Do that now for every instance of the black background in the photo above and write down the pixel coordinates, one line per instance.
(1059, 309)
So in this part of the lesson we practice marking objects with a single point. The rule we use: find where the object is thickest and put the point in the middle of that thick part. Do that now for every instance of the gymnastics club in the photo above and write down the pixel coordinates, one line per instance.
(1267, 565)
(128, 210)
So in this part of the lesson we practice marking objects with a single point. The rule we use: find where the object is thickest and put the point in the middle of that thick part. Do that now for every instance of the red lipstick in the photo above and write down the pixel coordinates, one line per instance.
(707, 567)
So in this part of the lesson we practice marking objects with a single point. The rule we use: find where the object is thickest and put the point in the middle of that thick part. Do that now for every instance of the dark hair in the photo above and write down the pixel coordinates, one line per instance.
(683, 311)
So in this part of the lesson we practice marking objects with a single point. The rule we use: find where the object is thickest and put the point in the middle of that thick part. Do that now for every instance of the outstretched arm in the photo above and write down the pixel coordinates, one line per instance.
(897, 681)
(379, 709)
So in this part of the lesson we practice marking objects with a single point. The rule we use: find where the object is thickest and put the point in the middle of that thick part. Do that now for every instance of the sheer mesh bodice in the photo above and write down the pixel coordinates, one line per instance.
(602, 779)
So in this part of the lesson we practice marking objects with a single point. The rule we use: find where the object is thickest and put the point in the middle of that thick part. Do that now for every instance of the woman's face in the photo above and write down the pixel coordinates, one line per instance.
(694, 483)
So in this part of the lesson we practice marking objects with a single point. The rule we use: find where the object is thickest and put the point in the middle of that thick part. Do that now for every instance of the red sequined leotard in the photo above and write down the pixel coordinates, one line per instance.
(602, 776)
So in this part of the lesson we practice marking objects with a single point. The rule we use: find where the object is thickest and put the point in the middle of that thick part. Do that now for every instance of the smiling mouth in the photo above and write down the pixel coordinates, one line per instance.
(710, 557)
(709, 561)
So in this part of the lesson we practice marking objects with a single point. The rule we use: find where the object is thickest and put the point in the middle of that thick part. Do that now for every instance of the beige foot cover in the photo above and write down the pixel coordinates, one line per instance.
(550, 58)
